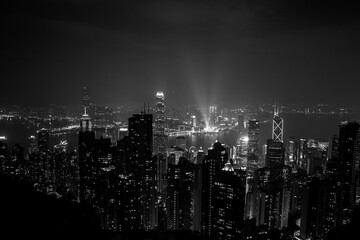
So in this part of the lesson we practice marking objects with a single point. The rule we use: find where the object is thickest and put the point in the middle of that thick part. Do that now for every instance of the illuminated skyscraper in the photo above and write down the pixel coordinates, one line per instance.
(331, 197)
(128, 210)
(32, 144)
(290, 152)
(86, 160)
(272, 196)
(212, 115)
(193, 122)
(43, 140)
(108, 199)
(211, 165)
(3, 152)
(278, 125)
(274, 154)
(253, 144)
(160, 141)
(144, 168)
(180, 195)
(349, 156)
(228, 204)
(160, 138)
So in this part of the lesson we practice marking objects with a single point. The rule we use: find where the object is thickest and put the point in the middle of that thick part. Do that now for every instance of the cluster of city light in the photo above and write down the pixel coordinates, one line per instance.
(209, 129)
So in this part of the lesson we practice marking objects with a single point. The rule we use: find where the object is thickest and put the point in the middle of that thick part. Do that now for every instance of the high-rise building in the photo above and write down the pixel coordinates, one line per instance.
(349, 157)
(160, 138)
(302, 154)
(212, 115)
(43, 140)
(228, 204)
(129, 215)
(278, 125)
(108, 198)
(312, 209)
(241, 122)
(331, 196)
(87, 169)
(144, 168)
(32, 144)
(272, 190)
(333, 152)
(160, 143)
(253, 144)
(180, 195)
(197, 197)
(211, 165)
(3, 152)
(290, 152)
(193, 122)
(274, 154)
(298, 185)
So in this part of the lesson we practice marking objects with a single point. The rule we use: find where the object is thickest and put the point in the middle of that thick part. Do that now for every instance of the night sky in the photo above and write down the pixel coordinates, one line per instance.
(200, 52)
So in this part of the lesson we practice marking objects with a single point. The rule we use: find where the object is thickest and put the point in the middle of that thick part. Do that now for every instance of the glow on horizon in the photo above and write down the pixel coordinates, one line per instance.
(210, 129)
(245, 139)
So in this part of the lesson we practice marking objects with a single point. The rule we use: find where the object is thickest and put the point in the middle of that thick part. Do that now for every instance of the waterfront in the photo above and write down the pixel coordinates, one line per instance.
(295, 125)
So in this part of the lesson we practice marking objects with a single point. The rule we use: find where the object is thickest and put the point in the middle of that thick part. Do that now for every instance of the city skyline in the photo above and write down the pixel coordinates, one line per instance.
(167, 174)
(199, 53)
(180, 119)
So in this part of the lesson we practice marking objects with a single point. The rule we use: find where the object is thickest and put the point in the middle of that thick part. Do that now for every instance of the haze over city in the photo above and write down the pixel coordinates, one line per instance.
(237, 52)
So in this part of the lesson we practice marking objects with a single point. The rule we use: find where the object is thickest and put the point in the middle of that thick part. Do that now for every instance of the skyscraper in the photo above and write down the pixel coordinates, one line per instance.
(180, 195)
(3, 153)
(144, 168)
(86, 160)
(272, 196)
(160, 138)
(211, 165)
(43, 140)
(349, 156)
(278, 125)
(212, 115)
(241, 122)
(311, 214)
(331, 197)
(228, 204)
(160, 142)
(253, 144)
(274, 154)
(128, 210)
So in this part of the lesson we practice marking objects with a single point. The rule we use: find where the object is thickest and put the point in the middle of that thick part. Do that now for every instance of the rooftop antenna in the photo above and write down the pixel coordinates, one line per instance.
(276, 109)
(144, 107)
(148, 107)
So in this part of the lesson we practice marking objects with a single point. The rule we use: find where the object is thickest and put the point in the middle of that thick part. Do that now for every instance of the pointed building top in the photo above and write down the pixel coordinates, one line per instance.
(276, 109)
(85, 116)
(159, 94)
(228, 167)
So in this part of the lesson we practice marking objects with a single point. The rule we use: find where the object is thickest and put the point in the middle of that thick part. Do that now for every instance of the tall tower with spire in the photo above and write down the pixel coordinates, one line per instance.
(86, 98)
(278, 125)
(86, 160)
(85, 122)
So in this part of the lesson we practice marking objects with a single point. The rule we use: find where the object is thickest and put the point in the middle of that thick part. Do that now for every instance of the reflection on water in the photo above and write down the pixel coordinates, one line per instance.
(295, 125)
